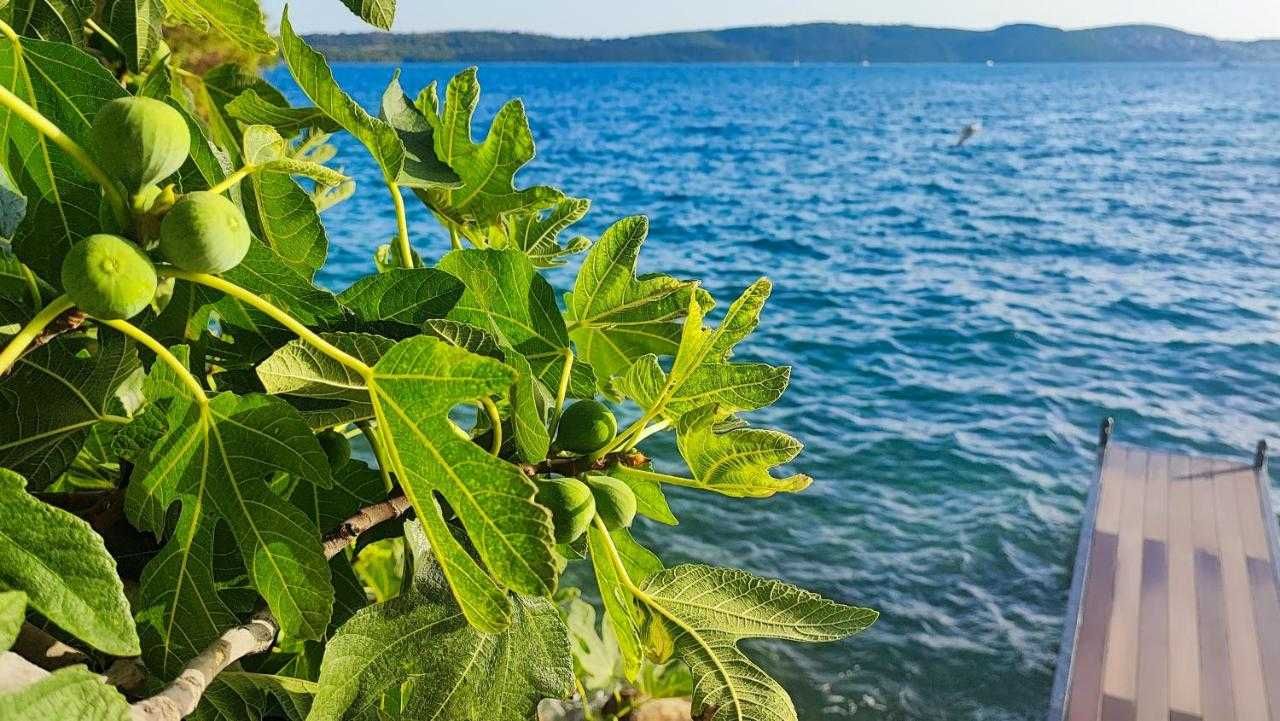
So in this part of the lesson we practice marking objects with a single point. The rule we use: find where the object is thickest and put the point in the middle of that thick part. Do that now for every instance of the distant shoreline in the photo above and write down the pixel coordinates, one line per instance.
(810, 43)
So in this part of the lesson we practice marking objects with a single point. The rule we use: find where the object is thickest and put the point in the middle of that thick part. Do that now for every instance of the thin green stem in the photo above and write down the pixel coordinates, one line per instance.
(18, 344)
(49, 129)
(230, 181)
(402, 226)
(563, 390)
(615, 559)
(454, 241)
(32, 286)
(371, 434)
(280, 316)
(650, 430)
(495, 420)
(155, 346)
(96, 28)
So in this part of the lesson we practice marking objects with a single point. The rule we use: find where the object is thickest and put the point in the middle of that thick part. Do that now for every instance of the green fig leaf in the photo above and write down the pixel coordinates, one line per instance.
(13, 612)
(422, 169)
(507, 298)
(216, 460)
(616, 317)
(240, 21)
(735, 462)
(536, 232)
(413, 388)
(402, 296)
(452, 671)
(243, 696)
(60, 21)
(64, 568)
(378, 13)
(700, 374)
(314, 77)
(487, 169)
(706, 611)
(137, 25)
(621, 606)
(252, 108)
(71, 693)
(54, 396)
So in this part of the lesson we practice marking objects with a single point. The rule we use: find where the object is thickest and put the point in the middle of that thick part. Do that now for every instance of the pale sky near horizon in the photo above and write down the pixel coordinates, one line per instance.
(1229, 19)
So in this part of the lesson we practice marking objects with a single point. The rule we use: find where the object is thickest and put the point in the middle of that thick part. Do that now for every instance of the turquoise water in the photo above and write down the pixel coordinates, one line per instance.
(959, 319)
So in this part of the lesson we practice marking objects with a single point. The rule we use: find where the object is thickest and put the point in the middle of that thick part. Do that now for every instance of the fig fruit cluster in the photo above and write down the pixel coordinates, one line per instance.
(141, 142)
(573, 504)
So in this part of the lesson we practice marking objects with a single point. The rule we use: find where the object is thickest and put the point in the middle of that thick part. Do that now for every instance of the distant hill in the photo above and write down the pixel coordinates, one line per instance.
(817, 42)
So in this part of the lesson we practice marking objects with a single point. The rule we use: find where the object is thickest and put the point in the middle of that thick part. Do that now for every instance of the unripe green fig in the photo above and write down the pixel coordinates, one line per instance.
(586, 427)
(336, 447)
(204, 233)
(615, 502)
(571, 504)
(139, 140)
(108, 277)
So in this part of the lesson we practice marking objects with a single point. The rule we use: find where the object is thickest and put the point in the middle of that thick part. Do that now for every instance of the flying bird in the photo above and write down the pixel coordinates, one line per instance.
(967, 132)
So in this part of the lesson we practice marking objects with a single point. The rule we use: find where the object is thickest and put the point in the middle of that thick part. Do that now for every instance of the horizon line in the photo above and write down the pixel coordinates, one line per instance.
(605, 38)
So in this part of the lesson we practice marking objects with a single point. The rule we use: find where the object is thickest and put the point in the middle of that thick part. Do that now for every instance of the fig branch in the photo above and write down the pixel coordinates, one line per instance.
(180, 698)
(46, 127)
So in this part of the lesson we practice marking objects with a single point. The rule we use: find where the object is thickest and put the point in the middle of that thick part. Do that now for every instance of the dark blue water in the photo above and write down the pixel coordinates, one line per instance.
(959, 319)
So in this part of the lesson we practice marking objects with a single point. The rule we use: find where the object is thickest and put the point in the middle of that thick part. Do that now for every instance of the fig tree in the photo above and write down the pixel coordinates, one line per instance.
(337, 449)
(108, 277)
(571, 506)
(586, 427)
(139, 140)
(615, 502)
(204, 233)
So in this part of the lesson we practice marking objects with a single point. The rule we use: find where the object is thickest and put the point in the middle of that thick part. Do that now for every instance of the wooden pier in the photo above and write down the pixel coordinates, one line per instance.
(1174, 612)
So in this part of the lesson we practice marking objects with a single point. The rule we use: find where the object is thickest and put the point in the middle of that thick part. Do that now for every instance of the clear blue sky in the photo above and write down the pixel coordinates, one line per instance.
(1237, 19)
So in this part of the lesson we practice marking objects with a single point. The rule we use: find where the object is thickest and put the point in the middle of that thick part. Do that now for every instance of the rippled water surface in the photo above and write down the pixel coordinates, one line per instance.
(959, 319)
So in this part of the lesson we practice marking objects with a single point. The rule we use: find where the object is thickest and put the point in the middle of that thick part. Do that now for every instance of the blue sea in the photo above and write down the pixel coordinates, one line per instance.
(960, 319)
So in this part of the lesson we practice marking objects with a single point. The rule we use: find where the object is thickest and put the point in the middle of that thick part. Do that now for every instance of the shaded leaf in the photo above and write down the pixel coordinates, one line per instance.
(422, 168)
(64, 568)
(621, 606)
(137, 26)
(452, 671)
(252, 108)
(215, 460)
(298, 368)
(241, 696)
(59, 21)
(403, 296)
(706, 611)
(51, 399)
